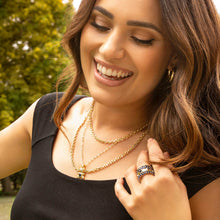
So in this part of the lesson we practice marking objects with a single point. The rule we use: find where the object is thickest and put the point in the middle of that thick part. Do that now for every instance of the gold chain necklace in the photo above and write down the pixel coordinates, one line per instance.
(72, 149)
(82, 171)
(114, 141)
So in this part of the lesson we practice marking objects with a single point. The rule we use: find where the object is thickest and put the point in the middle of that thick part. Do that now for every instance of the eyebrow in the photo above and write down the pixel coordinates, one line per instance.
(144, 24)
(104, 12)
(129, 23)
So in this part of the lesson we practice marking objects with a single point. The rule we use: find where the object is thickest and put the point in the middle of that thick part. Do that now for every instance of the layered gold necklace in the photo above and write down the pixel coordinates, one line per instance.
(114, 141)
(82, 169)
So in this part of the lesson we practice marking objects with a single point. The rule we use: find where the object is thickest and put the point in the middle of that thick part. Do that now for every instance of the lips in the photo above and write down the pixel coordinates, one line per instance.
(110, 72)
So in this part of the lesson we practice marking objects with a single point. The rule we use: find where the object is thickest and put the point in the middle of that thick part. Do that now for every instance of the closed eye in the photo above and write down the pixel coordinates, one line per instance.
(144, 42)
(99, 27)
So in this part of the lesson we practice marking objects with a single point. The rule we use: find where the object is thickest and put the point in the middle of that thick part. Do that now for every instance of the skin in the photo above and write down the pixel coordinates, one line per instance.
(117, 47)
(158, 193)
(158, 197)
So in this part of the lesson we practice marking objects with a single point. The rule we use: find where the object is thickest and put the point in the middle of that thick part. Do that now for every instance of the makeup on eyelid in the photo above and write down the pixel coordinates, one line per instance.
(137, 34)
(119, 50)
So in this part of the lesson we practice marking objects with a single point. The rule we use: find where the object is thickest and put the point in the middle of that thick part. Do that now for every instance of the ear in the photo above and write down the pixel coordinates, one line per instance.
(172, 62)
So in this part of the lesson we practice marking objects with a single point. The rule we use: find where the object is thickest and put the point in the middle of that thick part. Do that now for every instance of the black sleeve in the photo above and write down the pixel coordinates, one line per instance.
(43, 123)
(198, 177)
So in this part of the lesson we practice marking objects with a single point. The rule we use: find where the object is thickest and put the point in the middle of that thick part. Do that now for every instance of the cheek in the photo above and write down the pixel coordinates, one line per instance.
(85, 48)
(86, 38)
(154, 62)
(83, 44)
(151, 67)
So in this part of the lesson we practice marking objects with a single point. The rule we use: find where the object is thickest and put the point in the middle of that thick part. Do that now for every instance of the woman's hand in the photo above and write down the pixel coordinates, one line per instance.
(159, 197)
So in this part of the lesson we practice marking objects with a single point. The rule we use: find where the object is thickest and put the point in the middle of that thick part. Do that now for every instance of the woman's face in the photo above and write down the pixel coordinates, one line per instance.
(123, 52)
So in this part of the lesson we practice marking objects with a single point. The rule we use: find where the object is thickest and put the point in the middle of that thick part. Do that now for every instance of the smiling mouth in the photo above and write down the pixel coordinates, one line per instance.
(110, 73)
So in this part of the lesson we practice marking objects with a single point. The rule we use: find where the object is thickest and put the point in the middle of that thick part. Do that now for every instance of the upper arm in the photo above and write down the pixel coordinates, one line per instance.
(15, 144)
(205, 204)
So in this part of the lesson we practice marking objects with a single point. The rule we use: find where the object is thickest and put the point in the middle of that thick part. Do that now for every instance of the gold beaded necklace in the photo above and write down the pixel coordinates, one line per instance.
(82, 170)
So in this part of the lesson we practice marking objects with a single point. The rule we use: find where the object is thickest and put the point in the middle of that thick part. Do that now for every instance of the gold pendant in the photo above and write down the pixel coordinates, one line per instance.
(81, 175)
(82, 172)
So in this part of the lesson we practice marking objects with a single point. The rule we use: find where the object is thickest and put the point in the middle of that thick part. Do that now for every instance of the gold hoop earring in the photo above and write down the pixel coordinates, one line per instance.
(171, 74)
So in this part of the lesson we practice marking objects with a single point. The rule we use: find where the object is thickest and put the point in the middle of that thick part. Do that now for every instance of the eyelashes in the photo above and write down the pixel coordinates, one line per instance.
(102, 28)
(99, 27)
(146, 42)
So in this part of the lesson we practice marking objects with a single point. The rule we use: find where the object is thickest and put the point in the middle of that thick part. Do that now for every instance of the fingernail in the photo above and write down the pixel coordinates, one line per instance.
(150, 140)
(166, 155)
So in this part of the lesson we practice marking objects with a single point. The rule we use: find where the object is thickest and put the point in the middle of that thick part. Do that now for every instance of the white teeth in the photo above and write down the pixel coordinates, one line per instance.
(110, 72)
(98, 67)
(114, 73)
(103, 70)
(119, 74)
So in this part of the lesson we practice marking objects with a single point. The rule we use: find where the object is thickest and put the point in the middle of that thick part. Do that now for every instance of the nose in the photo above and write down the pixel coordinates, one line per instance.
(112, 46)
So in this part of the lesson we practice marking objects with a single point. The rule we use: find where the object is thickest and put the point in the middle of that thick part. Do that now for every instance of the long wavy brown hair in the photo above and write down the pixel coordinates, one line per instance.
(186, 116)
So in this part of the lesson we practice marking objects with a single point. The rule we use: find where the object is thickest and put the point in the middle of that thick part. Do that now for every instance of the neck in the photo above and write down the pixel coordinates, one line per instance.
(118, 119)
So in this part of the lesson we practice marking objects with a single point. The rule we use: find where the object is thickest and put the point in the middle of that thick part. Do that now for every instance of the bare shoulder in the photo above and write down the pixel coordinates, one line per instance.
(15, 144)
(27, 118)
(25, 122)
(77, 111)
(83, 105)
(205, 203)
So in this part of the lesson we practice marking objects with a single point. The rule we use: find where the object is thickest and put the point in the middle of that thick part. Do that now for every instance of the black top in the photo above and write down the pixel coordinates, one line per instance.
(48, 194)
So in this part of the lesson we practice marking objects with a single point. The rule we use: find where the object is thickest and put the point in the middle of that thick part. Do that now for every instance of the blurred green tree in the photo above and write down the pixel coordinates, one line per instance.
(31, 57)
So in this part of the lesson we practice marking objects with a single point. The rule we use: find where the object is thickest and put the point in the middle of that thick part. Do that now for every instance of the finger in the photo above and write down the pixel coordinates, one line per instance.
(170, 166)
(175, 174)
(167, 157)
(157, 155)
(180, 182)
(121, 193)
(154, 151)
(143, 158)
(131, 179)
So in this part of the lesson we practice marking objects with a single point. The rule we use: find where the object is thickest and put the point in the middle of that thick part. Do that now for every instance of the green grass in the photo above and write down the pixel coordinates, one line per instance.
(5, 207)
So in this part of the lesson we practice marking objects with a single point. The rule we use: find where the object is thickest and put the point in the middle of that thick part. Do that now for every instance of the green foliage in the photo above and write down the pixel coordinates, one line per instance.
(31, 55)
(6, 114)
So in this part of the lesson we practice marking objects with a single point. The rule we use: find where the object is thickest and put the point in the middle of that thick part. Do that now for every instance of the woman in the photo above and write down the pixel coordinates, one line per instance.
(152, 69)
